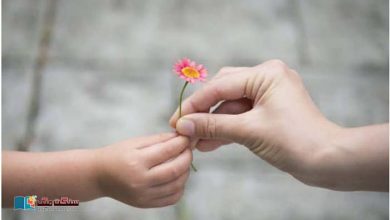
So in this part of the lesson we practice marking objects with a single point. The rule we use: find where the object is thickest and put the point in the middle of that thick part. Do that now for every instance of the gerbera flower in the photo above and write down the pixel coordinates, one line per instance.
(190, 71)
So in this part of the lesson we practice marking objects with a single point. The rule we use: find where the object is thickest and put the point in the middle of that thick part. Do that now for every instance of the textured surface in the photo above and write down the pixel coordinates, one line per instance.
(108, 78)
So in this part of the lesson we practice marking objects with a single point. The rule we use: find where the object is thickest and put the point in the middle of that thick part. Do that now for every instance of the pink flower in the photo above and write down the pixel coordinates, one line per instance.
(190, 71)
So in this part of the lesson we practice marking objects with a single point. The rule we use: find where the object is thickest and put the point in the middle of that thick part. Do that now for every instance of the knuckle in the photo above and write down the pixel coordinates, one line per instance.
(167, 151)
(133, 164)
(210, 128)
(174, 173)
(223, 70)
(135, 185)
(277, 62)
(278, 66)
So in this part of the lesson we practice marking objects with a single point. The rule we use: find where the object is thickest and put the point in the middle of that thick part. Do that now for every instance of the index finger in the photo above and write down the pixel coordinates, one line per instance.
(230, 87)
(161, 152)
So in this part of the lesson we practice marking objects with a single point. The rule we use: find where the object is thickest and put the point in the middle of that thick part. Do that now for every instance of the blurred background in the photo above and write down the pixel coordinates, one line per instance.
(87, 73)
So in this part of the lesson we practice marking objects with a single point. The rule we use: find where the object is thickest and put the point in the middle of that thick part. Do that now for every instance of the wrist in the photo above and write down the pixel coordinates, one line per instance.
(96, 170)
(356, 159)
(326, 165)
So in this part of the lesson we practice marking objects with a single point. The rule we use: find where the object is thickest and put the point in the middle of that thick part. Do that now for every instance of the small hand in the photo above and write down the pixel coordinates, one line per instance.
(145, 172)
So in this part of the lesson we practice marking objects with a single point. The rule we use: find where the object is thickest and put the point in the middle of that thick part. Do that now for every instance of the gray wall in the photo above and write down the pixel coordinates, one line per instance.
(107, 77)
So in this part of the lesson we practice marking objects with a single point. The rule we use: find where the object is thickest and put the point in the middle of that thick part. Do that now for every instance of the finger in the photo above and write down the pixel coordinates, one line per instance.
(210, 126)
(251, 83)
(228, 107)
(170, 170)
(193, 143)
(234, 107)
(169, 188)
(161, 152)
(167, 200)
(231, 87)
(221, 73)
(206, 145)
(141, 142)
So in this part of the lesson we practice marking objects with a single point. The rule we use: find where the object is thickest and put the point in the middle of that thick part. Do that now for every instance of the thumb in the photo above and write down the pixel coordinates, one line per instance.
(209, 126)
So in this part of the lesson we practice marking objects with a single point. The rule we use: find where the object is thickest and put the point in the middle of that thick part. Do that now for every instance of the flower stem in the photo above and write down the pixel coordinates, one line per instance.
(180, 101)
(181, 97)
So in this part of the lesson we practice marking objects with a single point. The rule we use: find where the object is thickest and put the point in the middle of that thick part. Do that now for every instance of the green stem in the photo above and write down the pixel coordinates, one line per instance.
(181, 97)
(180, 101)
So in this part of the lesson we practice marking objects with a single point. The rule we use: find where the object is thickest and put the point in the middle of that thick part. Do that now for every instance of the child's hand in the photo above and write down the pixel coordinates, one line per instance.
(145, 172)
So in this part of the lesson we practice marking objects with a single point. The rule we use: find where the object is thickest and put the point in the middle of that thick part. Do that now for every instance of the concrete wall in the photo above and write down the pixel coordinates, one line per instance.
(107, 78)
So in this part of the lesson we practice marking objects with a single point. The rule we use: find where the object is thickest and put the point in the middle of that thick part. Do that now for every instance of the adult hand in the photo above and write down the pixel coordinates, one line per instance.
(267, 109)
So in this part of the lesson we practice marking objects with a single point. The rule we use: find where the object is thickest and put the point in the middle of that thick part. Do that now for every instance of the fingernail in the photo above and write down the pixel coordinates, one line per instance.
(185, 127)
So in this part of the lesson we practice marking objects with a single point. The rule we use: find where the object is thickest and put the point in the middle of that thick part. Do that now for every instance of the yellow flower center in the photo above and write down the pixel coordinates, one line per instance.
(190, 72)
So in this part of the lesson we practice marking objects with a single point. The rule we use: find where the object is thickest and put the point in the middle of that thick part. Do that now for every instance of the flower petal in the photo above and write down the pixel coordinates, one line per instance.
(199, 72)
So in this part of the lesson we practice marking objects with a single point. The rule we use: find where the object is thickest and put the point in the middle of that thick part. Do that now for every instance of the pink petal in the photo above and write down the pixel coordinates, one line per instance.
(185, 62)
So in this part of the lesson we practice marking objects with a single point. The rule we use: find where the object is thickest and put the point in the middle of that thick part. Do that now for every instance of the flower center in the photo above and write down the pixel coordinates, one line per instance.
(190, 72)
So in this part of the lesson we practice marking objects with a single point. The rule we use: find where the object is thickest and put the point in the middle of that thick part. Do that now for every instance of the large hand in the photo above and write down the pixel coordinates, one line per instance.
(267, 109)
(145, 172)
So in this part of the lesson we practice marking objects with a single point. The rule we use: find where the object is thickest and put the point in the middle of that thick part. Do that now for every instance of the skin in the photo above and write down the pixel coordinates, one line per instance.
(267, 109)
(143, 172)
